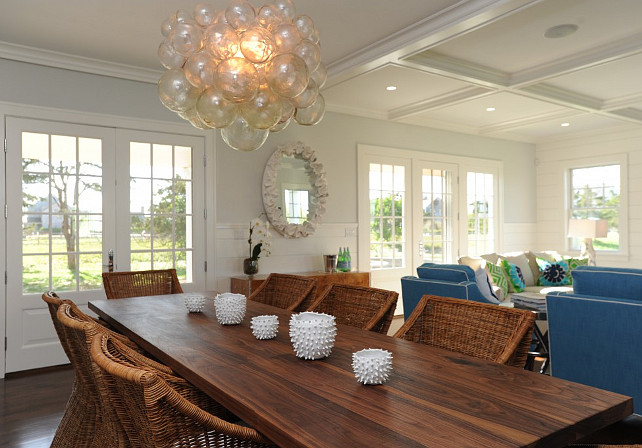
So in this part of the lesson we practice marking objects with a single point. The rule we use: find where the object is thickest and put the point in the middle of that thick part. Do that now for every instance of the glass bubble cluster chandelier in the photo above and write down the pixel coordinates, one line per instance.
(245, 71)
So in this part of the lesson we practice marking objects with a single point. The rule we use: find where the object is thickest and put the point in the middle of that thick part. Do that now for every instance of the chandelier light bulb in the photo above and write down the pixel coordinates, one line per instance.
(245, 71)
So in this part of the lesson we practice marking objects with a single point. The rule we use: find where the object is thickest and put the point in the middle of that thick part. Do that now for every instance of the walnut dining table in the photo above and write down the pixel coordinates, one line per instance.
(434, 397)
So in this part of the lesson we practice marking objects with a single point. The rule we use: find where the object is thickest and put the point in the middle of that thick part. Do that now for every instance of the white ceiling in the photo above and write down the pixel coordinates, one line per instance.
(450, 59)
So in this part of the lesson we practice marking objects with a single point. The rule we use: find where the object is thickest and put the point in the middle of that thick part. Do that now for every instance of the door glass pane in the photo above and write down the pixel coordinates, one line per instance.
(161, 210)
(480, 205)
(387, 226)
(61, 212)
(437, 198)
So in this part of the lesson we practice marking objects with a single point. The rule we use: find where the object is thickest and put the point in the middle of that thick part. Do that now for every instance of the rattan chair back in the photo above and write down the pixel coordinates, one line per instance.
(53, 302)
(86, 422)
(120, 285)
(358, 306)
(156, 414)
(285, 291)
(496, 333)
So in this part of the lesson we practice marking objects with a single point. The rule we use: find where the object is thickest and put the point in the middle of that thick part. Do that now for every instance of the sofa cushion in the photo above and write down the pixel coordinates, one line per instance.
(498, 278)
(549, 255)
(514, 276)
(449, 273)
(553, 273)
(474, 262)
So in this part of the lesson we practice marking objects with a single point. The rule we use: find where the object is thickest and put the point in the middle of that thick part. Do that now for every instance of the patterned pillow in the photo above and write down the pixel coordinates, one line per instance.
(498, 277)
(553, 273)
(516, 281)
(572, 264)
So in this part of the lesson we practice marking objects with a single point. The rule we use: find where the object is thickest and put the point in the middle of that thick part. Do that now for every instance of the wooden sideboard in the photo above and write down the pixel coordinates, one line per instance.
(245, 284)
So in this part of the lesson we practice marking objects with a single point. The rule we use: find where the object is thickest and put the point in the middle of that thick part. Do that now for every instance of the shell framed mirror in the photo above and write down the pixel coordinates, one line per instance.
(294, 190)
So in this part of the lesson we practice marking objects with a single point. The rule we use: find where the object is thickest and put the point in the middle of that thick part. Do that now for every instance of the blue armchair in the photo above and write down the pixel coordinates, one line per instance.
(595, 332)
(446, 280)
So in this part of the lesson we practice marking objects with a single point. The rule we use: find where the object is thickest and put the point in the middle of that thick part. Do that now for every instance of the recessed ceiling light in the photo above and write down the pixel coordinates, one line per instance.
(490, 109)
(564, 125)
(391, 88)
(558, 31)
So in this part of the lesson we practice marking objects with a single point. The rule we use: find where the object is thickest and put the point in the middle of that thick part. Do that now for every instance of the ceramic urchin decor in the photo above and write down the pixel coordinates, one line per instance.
(230, 308)
(312, 334)
(372, 365)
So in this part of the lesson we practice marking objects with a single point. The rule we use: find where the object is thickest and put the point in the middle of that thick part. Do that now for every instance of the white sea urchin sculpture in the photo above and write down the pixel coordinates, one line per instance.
(372, 365)
(265, 327)
(230, 308)
(312, 334)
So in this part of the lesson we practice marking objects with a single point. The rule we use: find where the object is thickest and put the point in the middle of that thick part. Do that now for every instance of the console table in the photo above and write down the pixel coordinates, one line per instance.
(245, 284)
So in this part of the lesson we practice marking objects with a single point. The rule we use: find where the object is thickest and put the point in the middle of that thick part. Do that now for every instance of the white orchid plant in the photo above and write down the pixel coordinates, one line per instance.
(260, 233)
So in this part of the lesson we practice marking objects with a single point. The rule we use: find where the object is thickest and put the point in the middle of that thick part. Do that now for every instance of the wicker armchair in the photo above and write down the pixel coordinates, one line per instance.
(285, 291)
(88, 420)
(120, 285)
(358, 306)
(155, 414)
(499, 334)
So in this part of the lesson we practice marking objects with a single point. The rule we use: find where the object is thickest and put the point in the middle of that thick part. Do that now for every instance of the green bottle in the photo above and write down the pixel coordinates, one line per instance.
(348, 258)
(341, 261)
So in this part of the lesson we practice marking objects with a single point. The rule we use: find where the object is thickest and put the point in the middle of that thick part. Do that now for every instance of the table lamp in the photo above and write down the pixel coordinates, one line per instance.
(587, 229)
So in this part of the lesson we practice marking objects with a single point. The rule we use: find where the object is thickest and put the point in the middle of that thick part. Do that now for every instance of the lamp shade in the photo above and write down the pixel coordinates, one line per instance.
(588, 228)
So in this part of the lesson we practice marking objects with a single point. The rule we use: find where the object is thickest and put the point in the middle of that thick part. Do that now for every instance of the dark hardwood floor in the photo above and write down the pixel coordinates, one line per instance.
(32, 405)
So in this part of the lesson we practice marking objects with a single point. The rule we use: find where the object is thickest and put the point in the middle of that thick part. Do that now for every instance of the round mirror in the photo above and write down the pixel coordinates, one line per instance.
(294, 190)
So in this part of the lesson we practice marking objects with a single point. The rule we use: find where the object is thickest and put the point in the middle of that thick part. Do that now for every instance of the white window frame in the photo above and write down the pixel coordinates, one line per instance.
(623, 217)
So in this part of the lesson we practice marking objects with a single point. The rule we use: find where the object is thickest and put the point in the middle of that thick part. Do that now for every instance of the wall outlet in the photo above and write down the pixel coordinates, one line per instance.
(351, 232)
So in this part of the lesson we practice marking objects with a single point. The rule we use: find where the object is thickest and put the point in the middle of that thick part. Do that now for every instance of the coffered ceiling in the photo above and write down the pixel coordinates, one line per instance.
(450, 60)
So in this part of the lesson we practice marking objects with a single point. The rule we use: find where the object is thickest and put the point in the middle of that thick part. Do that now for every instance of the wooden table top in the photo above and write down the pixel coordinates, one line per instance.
(434, 397)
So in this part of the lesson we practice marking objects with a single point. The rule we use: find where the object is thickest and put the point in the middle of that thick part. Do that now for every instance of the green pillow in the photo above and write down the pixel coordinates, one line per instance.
(515, 277)
(498, 277)
(553, 273)
(572, 264)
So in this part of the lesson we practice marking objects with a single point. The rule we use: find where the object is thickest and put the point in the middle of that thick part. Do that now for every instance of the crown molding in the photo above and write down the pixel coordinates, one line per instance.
(65, 61)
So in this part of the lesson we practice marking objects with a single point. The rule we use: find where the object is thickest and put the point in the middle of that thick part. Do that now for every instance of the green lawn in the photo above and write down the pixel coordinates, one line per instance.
(36, 262)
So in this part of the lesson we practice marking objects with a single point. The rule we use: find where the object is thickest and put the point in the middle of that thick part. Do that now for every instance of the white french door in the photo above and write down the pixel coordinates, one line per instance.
(385, 214)
(417, 207)
(435, 212)
(78, 184)
(57, 228)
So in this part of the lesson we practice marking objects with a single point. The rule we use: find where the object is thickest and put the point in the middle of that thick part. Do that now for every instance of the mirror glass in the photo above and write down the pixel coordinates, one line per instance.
(294, 190)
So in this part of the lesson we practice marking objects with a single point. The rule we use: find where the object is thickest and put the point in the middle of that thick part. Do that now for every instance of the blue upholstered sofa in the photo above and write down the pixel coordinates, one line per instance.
(595, 332)
(446, 280)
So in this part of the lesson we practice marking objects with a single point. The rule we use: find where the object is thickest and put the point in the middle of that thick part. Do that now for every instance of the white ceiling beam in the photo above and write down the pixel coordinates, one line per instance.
(465, 17)
(597, 56)
(449, 99)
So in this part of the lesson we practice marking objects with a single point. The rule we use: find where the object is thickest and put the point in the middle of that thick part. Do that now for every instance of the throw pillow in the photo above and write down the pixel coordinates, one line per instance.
(521, 261)
(553, 273)
(515, 278)
(498, 277)
(572, 264)
(483, 283)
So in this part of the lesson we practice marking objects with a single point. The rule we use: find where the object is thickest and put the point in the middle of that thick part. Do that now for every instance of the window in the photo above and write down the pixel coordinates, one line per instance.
(61, 212)
(297, 205)
(596, 193)
(437, 218)
(387, 193)
(161, 215)
(480, 206)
